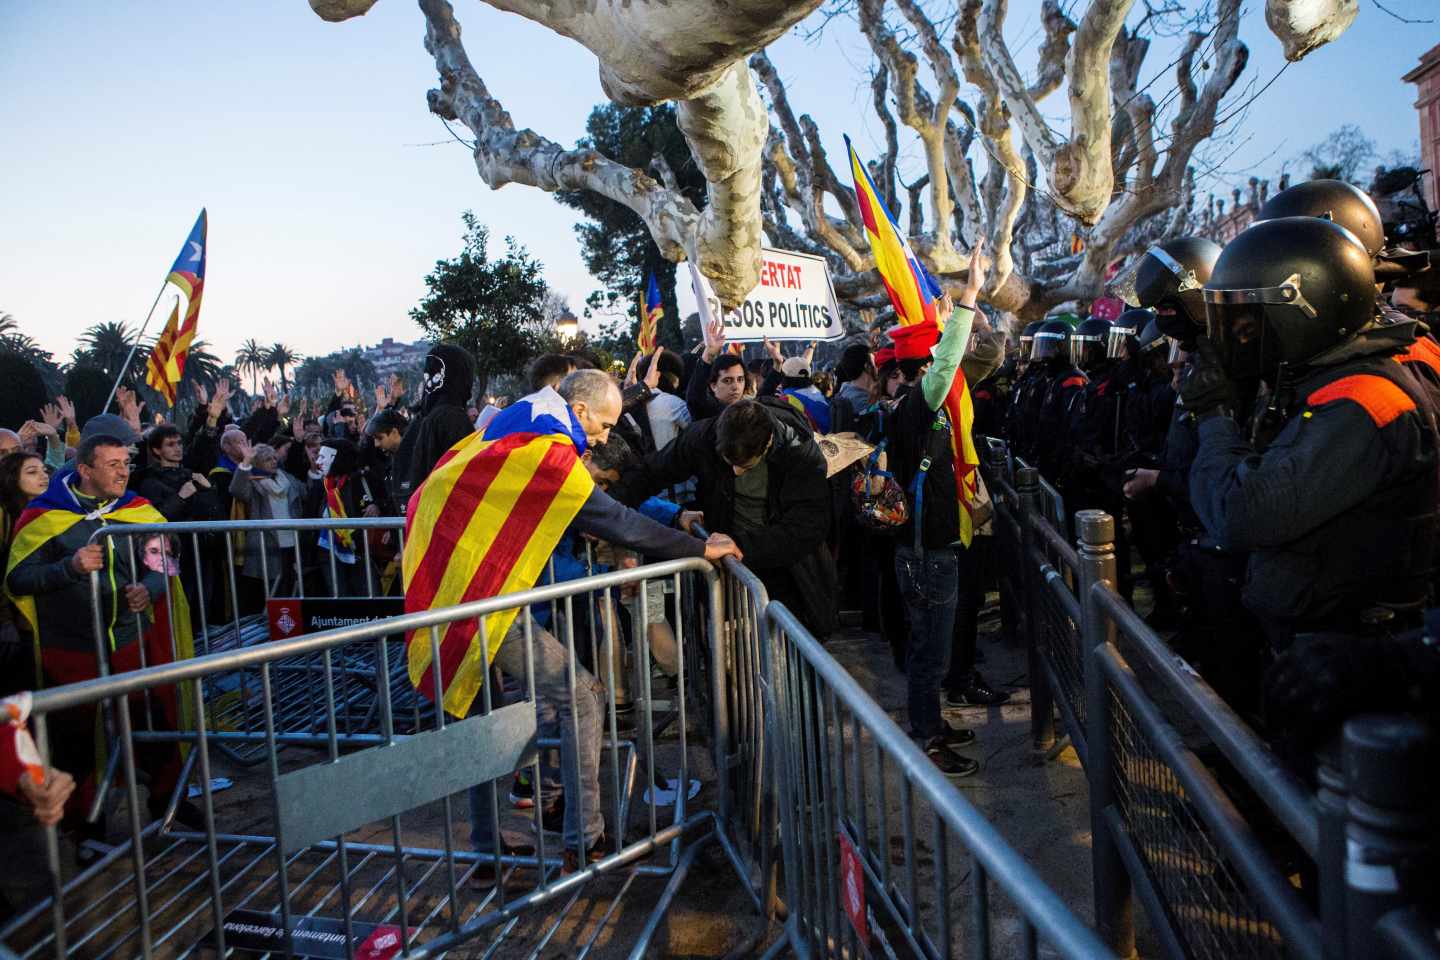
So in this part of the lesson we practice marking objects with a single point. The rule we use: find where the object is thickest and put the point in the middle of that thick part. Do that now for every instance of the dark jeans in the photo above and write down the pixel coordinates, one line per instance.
(929, 584)
(970, 597)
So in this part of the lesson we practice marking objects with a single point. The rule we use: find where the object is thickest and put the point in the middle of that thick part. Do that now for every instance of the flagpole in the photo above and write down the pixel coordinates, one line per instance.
(135, 346)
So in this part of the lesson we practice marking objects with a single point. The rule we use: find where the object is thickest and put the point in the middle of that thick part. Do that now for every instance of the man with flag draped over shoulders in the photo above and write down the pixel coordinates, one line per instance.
(48, 577)
(485, 523)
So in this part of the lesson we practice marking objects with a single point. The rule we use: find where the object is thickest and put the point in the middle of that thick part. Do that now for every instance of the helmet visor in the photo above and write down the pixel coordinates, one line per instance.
(1117, 342)
(1122, 285)
(1047, 345)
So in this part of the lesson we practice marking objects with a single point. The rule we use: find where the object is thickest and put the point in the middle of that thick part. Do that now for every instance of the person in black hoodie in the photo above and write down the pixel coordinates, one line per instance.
(442, 420)
(760, 477)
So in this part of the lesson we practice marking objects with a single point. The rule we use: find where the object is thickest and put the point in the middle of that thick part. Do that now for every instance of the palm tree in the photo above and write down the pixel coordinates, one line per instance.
(282, 356)
(201, 366)
(252, 357)
(106, 345)
(8, 325)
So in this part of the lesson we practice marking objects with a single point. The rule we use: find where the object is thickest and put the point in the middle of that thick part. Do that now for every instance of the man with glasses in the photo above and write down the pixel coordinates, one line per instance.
(49, 575)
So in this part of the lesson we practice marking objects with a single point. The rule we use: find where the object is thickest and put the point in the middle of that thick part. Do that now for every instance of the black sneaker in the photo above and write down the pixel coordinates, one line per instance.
(186, 814)
(977, 693)
(950, 763)
(522, 791)
(552, 817)
(957, 736)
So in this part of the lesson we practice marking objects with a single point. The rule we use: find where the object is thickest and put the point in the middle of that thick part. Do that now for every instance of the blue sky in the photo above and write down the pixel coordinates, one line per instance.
(329, 198)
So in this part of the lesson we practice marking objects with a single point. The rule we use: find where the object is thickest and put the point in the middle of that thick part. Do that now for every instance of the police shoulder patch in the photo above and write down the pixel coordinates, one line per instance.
(1382, 400)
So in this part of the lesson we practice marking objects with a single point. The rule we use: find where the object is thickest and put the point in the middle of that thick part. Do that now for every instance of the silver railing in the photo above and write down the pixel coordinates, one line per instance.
(1226, 850)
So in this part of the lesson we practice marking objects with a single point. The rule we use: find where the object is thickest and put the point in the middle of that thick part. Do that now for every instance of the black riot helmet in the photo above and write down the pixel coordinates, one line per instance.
(1285, 291)
(1153, 339)
(1089, 343)
(1052, 342)
(1168, 278)
(1027, 339)
(1125, 329)
(1334, 200)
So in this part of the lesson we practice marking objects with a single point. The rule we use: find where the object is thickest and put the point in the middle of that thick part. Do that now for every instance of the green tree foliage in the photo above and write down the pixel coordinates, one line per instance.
(315, 377)
(104, 346)
(493, 308)
(281, 357)
(87, 387)
(13, 342)
(616, 245)
(25, 391)
(253, 359)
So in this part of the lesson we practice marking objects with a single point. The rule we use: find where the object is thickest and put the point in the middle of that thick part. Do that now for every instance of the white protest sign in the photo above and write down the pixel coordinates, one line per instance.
(794, 300)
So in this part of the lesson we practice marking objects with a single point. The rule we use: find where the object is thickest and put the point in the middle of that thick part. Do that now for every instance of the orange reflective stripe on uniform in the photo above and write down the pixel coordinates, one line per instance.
(1423, 350)
(1073, 382)
(1381, 399)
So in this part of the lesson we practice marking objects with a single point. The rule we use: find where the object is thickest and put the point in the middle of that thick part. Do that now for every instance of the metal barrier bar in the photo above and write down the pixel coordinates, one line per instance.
(800, 680)
(414, 898)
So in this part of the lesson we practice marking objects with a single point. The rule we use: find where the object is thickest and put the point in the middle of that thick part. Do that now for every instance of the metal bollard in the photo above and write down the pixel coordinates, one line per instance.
(1389, 763)
(1042, 704)
(1114, 899)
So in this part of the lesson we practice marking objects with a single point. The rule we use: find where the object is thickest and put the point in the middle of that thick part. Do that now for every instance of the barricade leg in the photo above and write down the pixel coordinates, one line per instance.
(1114, 907)
(1042, 704)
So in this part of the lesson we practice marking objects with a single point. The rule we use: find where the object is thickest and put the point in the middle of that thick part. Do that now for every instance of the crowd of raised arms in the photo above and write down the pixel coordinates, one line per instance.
(1260, 419)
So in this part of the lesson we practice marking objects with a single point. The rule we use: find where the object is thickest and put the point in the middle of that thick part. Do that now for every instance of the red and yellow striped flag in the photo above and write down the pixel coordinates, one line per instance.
(483, 524)
(652, 308)
(915, 293)
(167, 358)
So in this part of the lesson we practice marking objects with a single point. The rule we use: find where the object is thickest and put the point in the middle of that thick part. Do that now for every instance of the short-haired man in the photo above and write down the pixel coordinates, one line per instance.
(593, 399)
(49, 574)
(719, 378)
(547, 370)
(856, 374)
(760, 477)
(179, 493)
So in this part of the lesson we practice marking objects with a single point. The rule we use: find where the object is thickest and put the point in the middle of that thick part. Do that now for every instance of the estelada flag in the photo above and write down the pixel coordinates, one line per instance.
(485, 523)
(915, 295)
(651, 310)
(167, 358)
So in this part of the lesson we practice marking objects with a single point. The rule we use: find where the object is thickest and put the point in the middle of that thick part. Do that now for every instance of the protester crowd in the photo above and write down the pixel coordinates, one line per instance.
(1258, 418)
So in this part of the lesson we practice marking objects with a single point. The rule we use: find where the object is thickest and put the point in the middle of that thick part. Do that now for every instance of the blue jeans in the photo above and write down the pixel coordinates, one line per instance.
(552, 691)
(929, 584)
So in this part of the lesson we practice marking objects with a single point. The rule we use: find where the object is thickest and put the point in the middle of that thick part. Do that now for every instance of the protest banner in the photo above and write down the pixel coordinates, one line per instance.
(794, 300)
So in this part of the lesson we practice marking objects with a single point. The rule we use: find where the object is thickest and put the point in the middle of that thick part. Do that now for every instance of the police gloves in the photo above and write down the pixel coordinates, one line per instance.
(1207, 390)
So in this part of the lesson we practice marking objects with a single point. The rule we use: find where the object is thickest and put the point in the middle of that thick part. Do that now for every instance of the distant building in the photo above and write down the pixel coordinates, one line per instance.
(390, 356)
(1221, 225)
(1427, 77)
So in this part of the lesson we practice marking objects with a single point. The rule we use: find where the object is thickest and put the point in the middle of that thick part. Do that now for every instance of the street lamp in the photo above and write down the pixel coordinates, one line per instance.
(567, 326)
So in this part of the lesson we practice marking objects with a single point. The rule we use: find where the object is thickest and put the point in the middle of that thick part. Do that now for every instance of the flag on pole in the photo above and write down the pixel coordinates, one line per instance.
(651, 310)
(167, 358)
(915, 294)
(485, 522)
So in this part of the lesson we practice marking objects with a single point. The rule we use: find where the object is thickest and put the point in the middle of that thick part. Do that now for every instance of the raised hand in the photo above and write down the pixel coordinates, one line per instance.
(382, 396)
(652, 375)
(774, 350)
(397, 386)
(975, 279)
(714, 333)
(634, 364)
(50, 413)
(67, 409)
(283, 406)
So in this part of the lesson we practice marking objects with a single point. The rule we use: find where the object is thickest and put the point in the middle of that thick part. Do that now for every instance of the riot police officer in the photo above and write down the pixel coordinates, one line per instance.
(1338, 512)
(1023, 393)
(1063, 380)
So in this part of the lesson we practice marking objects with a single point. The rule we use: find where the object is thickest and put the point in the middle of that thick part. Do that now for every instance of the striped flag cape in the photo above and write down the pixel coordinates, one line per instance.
(915, 295)
(485, 523)
(651, 310)
(166, 365)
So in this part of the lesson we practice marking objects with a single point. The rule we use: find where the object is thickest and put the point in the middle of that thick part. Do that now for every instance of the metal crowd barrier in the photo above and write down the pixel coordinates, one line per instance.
(296, 865)
(867, 823)
(1227, 851)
